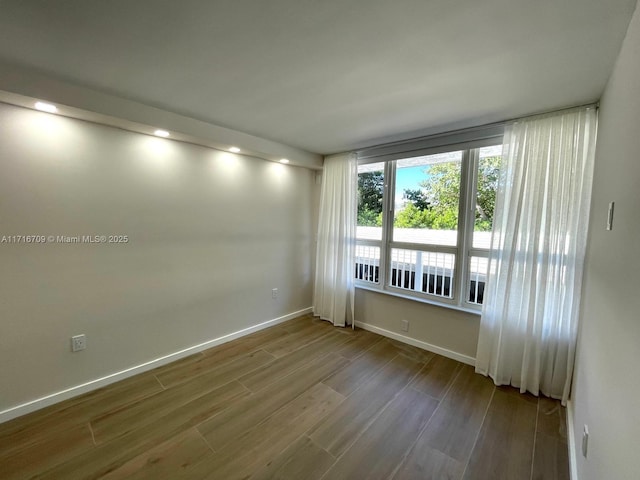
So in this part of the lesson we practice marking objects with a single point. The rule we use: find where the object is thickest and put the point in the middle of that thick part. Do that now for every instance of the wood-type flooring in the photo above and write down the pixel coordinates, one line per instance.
(302, 400)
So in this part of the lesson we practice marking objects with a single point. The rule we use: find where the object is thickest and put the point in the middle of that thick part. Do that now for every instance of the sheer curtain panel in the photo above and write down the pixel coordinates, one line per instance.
(529, 320)
(333, 293)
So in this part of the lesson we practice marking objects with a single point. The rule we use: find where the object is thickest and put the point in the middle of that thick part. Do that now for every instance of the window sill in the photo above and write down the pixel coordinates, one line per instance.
(421, 300)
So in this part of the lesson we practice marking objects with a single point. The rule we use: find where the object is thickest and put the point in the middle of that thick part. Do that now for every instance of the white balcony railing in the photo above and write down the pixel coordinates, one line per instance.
(422, 271)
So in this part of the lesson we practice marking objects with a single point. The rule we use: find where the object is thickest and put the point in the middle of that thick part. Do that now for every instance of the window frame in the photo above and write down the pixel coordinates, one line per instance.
(463, 251)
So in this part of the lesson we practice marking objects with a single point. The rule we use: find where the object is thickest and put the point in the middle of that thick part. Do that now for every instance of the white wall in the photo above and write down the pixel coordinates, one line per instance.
(606, 391)
(211, 233)
(429, 326)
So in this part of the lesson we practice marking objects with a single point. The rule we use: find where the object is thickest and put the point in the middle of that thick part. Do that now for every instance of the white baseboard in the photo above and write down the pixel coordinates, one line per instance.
(37, 404)
(418, 343)
(571, 440)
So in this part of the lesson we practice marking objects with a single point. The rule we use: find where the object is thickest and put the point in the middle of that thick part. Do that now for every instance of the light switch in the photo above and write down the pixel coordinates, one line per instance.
(610, 216)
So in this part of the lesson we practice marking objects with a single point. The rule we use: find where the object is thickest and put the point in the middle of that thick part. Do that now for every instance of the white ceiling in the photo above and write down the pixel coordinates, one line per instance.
(326, 75)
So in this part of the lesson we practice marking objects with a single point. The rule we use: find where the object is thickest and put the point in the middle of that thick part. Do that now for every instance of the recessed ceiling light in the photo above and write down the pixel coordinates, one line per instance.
(46, 107)
(284, 160)
(161, 133)
(234, 150)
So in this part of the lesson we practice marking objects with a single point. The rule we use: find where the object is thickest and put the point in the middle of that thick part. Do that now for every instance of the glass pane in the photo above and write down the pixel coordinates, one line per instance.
(367, 263)
(426, 272)
(477, 278)
(370, 191)
(488, 172)
(427, 196)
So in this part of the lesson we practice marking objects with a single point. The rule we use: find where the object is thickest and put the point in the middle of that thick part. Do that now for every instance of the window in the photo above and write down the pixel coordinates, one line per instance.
(369, 229)
(424, 224)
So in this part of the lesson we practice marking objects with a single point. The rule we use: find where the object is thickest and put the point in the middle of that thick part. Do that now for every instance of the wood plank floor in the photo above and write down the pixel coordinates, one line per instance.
(302, 400)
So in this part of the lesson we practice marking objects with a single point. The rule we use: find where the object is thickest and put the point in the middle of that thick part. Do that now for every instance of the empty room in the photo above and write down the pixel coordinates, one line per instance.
(319, 240)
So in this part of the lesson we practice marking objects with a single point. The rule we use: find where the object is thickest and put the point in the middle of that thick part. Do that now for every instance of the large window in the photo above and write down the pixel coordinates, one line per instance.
(424, 225)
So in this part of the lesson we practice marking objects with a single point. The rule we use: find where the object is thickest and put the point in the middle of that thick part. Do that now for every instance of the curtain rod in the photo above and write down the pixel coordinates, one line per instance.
(548, 112)
(477, 127)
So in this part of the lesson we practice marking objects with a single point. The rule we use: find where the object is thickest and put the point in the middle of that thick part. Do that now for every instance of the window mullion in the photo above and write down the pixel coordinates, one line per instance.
(424, 247)
(387, 222)
(479, 252)
(466, 189)
(469, 221)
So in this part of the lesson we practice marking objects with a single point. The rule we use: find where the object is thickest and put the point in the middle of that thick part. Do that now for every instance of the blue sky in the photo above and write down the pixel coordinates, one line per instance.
(409, 178)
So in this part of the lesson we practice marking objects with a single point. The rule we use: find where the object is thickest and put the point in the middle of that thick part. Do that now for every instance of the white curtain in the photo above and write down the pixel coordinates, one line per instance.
(530, 315)
(333, 293)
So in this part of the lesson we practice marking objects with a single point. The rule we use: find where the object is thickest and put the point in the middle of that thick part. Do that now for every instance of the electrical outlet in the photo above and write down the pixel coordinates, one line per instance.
(274, 293)
(78, 342)
(405, 325)
(585, 441)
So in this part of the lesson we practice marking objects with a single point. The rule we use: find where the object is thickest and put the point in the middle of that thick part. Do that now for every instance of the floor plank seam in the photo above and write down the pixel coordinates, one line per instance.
(230, 380)
(535, 436)
(248, 372)
(420, 433)
(344, 397)
(268, 417)
(179, 405)
(367, 377)
(364, 429)
(198, 424)
(321, 448)
(161, 384)
(451, 383)
(415, 375)
(224, 364)
(441, 400)
(93, 437)
(336, 460)
(204, 439)
(301, 346)
(320, 337)
(475, 442)
(368, 424)
(246, 387)
(303, 365)
(428, 422)
(296, 397)
(367, 349)
(433, 355)
(275, 359)
(411, 387)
